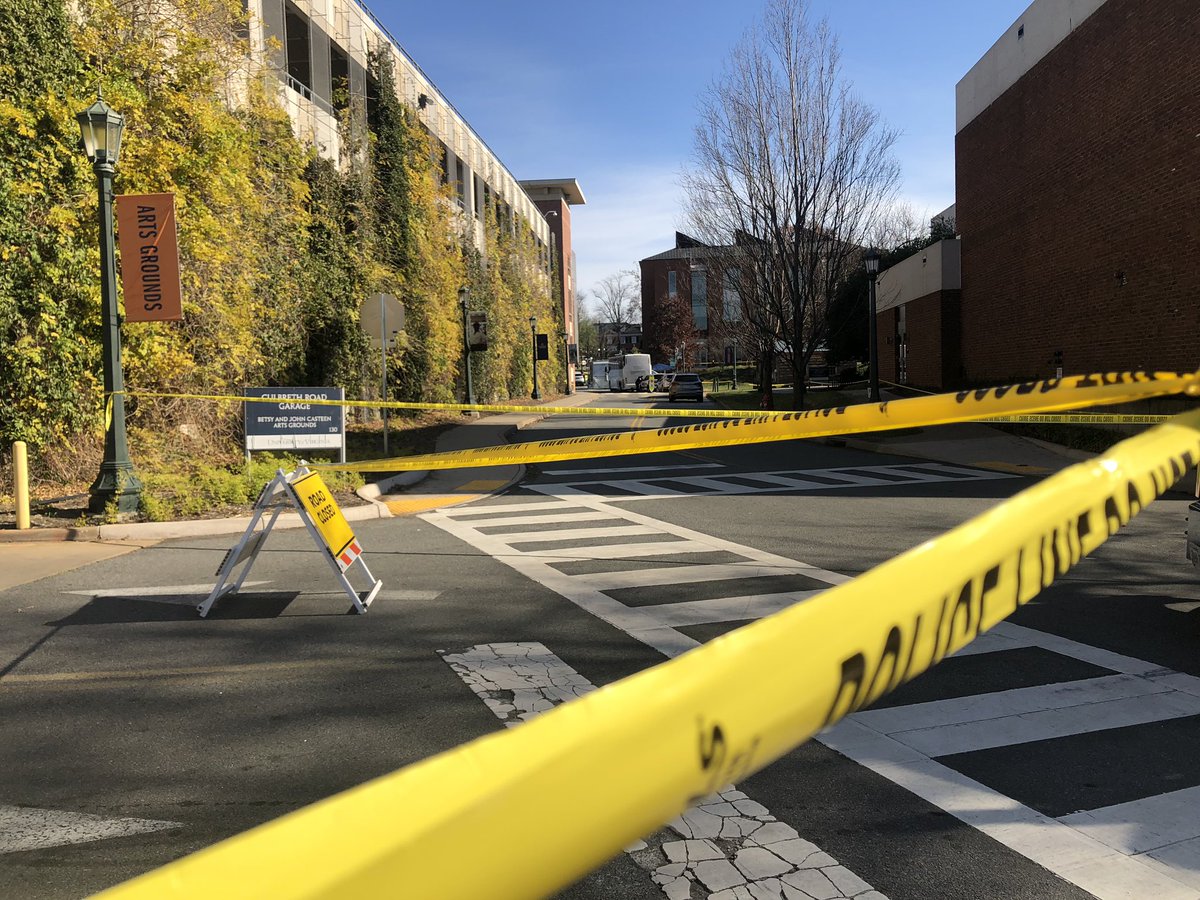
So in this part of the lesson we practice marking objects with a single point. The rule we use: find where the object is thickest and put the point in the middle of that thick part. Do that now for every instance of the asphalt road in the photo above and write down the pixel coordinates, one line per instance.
(1058, 761)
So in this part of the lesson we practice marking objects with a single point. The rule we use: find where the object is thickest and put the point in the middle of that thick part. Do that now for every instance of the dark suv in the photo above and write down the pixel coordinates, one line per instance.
(686, 386)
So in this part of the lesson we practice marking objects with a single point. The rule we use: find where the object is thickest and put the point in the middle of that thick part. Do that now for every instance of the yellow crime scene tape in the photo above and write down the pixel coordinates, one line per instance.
(1083, 419)
(468, 407)
(537, 807)
(940, 409)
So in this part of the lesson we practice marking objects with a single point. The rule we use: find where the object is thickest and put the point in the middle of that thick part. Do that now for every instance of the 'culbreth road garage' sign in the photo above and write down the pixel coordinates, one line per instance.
(282, 418)
(149, 257)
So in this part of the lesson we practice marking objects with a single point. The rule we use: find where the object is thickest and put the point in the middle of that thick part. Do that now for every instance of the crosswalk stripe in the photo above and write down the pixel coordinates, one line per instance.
(634, 578)
(1000, 705)
(725, 609)
(544, 519)
(615, 470)
(1061, 720)
(657, 486)
(728, 846)
(571, 534)
(622, 551)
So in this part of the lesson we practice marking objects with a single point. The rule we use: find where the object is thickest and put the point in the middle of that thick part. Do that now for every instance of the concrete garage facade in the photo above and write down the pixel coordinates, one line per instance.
(1078, 193)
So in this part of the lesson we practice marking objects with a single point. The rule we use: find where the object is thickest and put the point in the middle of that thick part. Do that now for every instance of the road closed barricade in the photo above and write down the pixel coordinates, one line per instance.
(536, 807)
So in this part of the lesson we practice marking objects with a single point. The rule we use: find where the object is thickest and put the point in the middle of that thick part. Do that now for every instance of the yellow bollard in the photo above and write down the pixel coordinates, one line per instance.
(21, 483)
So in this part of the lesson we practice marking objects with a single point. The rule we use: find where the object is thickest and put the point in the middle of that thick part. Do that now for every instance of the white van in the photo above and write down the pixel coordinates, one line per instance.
(624, 371)
(600, 374)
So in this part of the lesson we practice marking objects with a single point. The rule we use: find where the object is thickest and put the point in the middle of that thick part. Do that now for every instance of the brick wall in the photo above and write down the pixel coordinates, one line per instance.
(1079, 203)
(932, 326)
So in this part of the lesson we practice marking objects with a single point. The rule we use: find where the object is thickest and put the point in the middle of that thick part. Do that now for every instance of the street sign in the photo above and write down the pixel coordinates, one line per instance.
(381, 316)
(149, 257)
(281, 418)
(326, 518)
(304, 492)
(477, 336)
(543, 347)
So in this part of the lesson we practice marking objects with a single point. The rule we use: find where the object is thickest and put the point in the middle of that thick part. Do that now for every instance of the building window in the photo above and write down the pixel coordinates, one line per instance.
(339, 76)
(671, 284)
(299, 50)
(478, 185)
(700, 300)
(445, 164)
(460, 183)
(732, 300)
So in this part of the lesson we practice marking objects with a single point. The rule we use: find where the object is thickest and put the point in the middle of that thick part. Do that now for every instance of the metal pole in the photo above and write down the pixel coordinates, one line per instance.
(116, 484)
(383, 349)
(566, 336)
(467, 353)
(873, 394)
(735, 384)
(21, 484)
(533, 349)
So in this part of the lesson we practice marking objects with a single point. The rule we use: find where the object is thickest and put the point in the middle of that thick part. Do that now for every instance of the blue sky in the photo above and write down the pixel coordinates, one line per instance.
(606, 92)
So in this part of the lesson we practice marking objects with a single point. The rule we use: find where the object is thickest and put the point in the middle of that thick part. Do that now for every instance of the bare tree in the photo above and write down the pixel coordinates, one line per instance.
(618, 297)
(792, 175)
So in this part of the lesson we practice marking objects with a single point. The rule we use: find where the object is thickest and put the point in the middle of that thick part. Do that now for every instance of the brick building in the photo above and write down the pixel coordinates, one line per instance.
(702, 276)
(1078, 195)
(918, 304)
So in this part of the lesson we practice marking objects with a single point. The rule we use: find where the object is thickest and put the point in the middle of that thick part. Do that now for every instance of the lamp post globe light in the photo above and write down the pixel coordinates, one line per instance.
(533, 349)
(100, 127)
(872, 261)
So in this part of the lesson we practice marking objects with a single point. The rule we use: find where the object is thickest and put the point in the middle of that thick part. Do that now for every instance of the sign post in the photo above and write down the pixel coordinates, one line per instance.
(281, 418)
(304, 491)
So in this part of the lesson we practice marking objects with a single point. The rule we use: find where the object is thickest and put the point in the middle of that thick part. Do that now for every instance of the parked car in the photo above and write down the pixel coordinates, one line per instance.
(580, 380)
(686, 386)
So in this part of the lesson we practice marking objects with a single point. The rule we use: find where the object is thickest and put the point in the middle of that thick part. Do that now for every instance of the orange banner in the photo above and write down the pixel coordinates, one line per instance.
(149, 257)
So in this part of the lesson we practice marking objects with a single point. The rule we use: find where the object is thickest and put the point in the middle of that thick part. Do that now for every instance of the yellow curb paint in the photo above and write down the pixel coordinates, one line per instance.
(412, 506)
(483, 484)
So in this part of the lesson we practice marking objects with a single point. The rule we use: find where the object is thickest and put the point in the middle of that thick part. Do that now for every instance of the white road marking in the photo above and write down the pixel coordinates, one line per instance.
(165, 590)
(726, 609)
(615, 471)
(27, 828)
(757, 856)
(588, 591)
(652, 488)
(1184, 607)
(1073, 855)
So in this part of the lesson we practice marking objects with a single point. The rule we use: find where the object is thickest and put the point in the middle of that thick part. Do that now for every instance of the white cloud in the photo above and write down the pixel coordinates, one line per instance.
(629, 215)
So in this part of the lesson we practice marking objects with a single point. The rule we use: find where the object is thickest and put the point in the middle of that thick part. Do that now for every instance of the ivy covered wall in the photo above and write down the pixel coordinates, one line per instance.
(278, 247)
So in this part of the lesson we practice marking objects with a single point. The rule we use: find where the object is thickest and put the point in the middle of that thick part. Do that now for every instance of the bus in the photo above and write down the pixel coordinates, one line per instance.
(625, 370)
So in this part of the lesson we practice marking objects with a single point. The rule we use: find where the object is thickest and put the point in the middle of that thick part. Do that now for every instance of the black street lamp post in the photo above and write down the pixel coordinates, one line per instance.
(872, 260)
(533, 348)
(462, 299)
(566, 337)
(117, 484)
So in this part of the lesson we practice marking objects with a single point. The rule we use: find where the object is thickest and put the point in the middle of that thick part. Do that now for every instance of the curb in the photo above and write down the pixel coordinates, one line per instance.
(161, 531)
